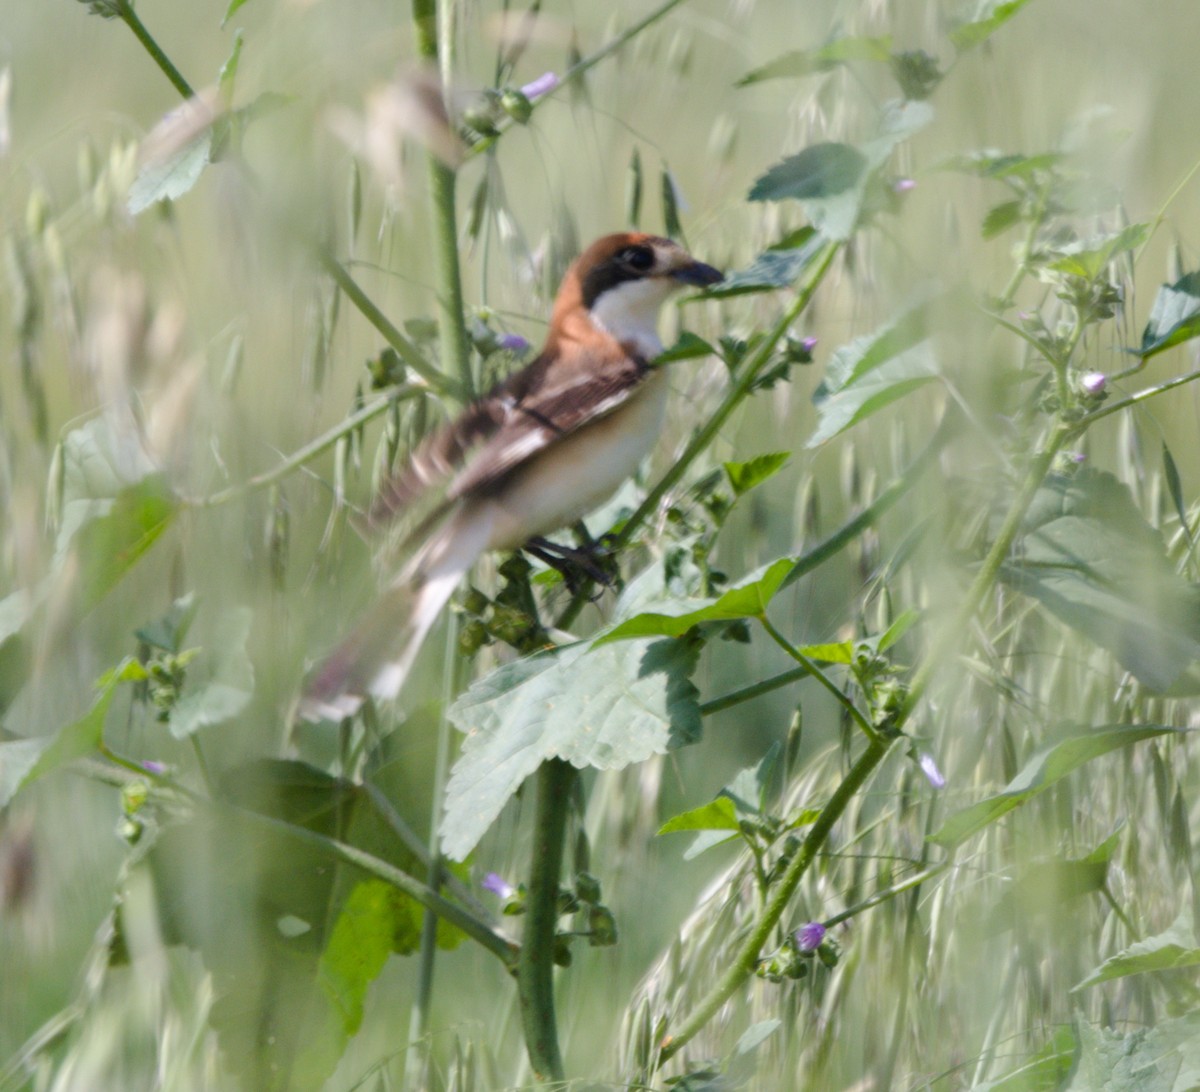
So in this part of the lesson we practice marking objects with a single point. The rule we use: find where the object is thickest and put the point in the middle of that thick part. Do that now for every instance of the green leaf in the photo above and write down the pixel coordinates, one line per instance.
(231, 11)
(746, 599)
(988, 163)
(227, 685)
(1047, 767)
(1174, 487)
(873, 371)
(718, 814)
(755, 1035)
(753, 472)
(1175, 316)
(1001, 218)
(1170, 950)
(1088, 259)
(824, 58)
(827, 179)
(604, 707)
(1044, 889)
(688, 347)
(1089, 557)
(896, 631)
(115, 507)
(374, 921)
(777, 267)
(228, 74)
(168, 177)
(23, 761)
(1045, 1072)
(839, 652)
(1164, 1058)
(987, 16)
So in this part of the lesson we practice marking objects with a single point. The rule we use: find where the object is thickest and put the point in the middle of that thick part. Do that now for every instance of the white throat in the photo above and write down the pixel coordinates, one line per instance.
(628, 312)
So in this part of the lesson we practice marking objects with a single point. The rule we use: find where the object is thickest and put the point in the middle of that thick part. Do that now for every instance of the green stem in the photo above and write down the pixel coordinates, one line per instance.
(479, 931)
(924, 876)
(131, 20)
(754, 690)
(309, 451)
(455, 351)
(1135, 399)
(577, 70)
(947, 429)
(841, 698)
(952, 634)
(746, 958)
(535, 966)
(407, 351)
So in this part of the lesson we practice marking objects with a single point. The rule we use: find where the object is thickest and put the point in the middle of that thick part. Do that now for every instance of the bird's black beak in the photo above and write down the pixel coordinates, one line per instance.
(699, 274)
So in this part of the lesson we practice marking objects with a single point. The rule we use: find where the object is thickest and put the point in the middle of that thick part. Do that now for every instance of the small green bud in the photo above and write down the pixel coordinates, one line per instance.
(516, 105)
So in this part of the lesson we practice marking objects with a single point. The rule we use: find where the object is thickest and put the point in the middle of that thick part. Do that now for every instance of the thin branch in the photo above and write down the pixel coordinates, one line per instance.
(746, 958)
(310, 450)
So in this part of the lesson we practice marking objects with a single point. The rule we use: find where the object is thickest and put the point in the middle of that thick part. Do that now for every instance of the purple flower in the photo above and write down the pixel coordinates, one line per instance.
(543, 85)
(514, 343)
(498, 885)
(1077, 457)
(903, 185)
(150, 766)
(809, 937)
(809, 343)
(1093, 382)
(930, 769)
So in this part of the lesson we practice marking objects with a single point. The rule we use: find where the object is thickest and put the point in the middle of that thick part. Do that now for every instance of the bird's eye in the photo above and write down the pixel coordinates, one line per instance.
(638, 257)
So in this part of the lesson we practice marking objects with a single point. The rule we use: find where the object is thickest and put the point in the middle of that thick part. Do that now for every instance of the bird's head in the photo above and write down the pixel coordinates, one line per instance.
(622, 280)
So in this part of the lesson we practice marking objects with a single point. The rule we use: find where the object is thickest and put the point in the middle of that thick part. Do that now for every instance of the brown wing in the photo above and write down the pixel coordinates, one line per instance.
(553, 404)
(552, 397)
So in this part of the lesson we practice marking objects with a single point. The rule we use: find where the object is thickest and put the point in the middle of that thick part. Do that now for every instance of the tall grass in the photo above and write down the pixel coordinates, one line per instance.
(199, 892)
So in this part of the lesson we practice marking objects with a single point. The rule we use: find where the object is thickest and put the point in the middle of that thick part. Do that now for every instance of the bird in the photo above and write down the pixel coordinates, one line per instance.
(536, 453)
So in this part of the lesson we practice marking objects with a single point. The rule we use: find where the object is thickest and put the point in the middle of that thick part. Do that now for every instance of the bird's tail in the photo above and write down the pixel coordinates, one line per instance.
(375, 658)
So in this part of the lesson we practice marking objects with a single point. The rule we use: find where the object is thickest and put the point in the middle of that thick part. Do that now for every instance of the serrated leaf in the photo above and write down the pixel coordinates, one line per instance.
(806, 62)
(746, 599)
(1000, 218)
(873, 371)
(753, 472)
(1170, 950)
(1089, 258)
(1047, 767)
(1175, 316)
(1164, 1058)
(777, 267)
(987, 16)
(718, 814)
(169, 177)
(227, 677)
(826, 178)
(1089, 557)
(604, 707)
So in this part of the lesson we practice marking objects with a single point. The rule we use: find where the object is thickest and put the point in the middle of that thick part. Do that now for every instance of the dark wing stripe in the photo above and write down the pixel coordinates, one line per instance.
(439, 457)
(547, 416)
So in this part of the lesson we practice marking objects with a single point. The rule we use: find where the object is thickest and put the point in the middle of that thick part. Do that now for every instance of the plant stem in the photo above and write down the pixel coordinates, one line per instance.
(407, 351)
(746, 958)
(310, 450)
(578, 69)
(535, 965)
(841, 698)
(922, 877)
(479, 931)
(131, 20)
(455, 352)
(1134, 399)
(952, 633)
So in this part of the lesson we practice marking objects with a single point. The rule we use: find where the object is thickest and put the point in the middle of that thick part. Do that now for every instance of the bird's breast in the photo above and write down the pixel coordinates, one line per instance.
(581, 471)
